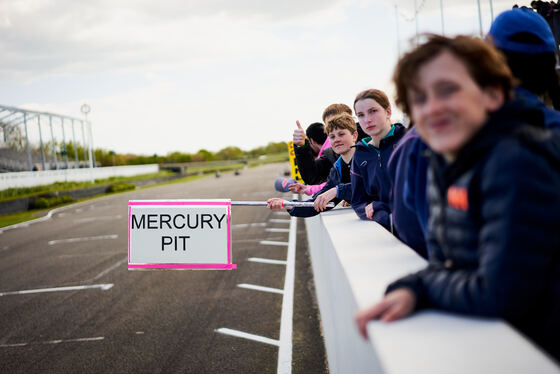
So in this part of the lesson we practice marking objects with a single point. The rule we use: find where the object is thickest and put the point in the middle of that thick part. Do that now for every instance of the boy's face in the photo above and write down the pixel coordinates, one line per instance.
(447, 106)
(373, 118)
(342, 140)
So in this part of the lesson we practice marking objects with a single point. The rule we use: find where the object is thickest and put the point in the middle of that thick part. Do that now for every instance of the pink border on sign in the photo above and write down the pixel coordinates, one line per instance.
(129, 215)
(229, 265)
(182, 266)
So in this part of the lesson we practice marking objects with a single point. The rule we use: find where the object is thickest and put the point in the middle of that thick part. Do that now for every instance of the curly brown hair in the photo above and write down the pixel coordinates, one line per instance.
(343, 121)
(486, 65)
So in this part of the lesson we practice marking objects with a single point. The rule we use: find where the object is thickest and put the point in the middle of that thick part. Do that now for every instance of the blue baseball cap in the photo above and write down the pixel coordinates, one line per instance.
(522, 21)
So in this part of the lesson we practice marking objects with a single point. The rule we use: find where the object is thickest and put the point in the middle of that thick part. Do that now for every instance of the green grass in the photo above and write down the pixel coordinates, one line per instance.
(12, 219)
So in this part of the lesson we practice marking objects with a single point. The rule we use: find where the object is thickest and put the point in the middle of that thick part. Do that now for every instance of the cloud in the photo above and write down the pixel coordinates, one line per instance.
(41, 38)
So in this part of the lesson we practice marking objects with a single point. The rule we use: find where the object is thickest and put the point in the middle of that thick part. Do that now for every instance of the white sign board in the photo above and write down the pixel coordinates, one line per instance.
(179, 234)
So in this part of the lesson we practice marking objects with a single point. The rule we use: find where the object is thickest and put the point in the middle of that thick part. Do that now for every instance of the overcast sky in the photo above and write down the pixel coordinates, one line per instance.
(181, 75)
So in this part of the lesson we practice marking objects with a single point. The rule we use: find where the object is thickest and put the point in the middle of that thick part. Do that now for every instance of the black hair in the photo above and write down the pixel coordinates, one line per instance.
(536, 73)
(316, 131)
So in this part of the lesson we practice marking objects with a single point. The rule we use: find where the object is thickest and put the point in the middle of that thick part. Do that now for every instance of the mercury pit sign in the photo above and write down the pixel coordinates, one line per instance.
(179, 234)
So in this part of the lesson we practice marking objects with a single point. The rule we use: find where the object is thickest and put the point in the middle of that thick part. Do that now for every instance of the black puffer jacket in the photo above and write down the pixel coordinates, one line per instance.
(494, 228)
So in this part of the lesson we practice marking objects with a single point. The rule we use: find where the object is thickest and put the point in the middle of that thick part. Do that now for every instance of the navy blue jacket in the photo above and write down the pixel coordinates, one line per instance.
(344, 192)
(408, 167)
(551, 116)
(370, 179)
(493, 231)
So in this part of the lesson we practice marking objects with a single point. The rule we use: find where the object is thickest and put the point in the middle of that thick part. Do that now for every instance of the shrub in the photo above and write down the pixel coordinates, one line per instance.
(47, 202)
(119, 187)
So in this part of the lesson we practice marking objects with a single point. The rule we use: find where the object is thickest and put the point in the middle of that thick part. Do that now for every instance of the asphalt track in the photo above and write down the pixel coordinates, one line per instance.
(112, 320)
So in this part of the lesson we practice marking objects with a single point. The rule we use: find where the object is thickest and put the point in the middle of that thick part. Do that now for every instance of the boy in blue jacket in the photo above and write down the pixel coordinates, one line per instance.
(371, 184)
(341, 130)
(493, 194)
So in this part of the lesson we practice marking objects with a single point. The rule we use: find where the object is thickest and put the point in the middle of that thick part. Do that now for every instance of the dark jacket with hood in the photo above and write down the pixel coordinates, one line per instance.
(338, 179)
(494, 227)
(408, 167)
(370, 179)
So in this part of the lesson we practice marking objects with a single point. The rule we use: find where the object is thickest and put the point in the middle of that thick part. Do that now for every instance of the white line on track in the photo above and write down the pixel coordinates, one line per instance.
(260, 288)
(100, 218)
(245, 335)
(270, 242)
(109, 269)
(267, 261)
(279, 220)
(240, 241)
(103, 287)
(272, 229)
(286, 321)
(84, 239)
(245, 225)
(97, 338)
(89, 254)
(44, 218)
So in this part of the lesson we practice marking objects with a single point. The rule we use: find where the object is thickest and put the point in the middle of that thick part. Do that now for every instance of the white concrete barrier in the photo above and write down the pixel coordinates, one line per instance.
(37, 178)
(353, 262)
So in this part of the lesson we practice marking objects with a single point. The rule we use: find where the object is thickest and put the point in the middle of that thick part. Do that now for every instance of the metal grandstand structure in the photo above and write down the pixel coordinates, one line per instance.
(28, 127)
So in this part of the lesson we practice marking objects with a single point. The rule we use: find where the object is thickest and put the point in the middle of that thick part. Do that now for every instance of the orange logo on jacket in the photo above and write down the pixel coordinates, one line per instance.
(457, 197)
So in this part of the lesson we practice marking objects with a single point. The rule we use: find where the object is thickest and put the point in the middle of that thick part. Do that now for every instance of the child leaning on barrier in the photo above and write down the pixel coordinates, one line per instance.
(493, 193)
(342, 134)
(371, 184)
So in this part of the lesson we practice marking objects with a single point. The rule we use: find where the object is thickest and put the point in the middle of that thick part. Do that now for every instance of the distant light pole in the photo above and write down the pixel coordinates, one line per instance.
(480, 19)
(416, 19)
(398, 33)
(85, 108)
(441, 13)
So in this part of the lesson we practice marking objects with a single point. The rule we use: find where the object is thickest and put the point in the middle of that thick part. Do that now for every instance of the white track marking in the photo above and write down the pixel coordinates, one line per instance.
(245, 225)
(98, 338)
(267, 261)
(272, 229)
(274, 220)
(260, 288)
(270, 242)
(244, 335)
(41, 219)
(89, 254)
(100, 218)
(109, 269)
(84, 239)
(286, 321)
(103, 287)
(235, 241)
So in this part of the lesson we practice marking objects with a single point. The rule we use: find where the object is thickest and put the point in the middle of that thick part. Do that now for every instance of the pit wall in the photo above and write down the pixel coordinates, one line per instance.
(353, 262)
